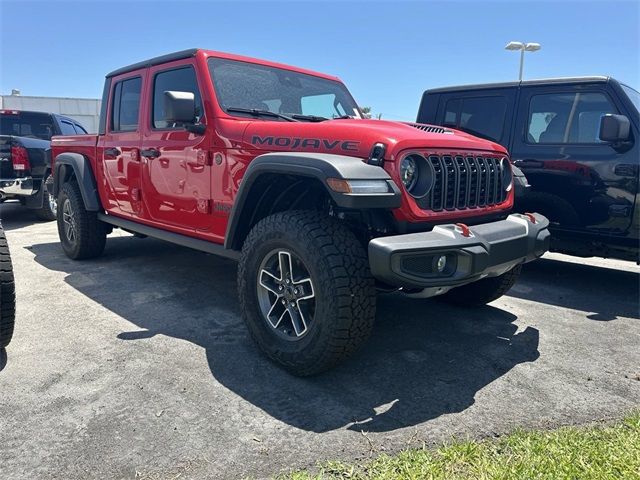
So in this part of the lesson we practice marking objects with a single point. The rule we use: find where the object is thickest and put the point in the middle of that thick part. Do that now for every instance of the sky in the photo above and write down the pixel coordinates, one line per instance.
(387, 52)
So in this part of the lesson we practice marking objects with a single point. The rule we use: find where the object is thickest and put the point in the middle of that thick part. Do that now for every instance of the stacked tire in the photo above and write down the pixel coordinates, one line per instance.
(7, 293)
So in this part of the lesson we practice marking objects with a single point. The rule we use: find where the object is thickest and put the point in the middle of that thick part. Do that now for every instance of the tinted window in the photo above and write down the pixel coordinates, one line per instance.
(566, 117)
(180, 80)
(80, 130)
(126, 105)
(67, 128)
(252, 86)
(480, 116)
(27, 124)
(633, 95)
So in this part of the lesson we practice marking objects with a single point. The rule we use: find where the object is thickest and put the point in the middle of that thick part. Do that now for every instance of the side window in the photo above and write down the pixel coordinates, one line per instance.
(566, 118)
(80, 130)
(178, 80)
(67, 128)
(480, 116)
(126, 105)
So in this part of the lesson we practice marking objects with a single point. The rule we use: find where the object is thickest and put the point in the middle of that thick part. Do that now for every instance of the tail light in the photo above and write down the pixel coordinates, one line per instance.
(20, 158)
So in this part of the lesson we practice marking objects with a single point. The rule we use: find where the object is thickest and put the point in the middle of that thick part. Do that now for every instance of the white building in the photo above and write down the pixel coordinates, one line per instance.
(84, 110)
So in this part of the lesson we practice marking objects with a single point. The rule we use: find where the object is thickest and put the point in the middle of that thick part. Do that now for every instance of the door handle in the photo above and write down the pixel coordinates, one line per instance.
(112, 152)
(150, 153)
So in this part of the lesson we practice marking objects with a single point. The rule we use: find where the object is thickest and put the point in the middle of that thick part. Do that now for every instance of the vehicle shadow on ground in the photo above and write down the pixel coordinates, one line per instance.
(424, 359)
(604, 293)
(13, 216)
(3, 358)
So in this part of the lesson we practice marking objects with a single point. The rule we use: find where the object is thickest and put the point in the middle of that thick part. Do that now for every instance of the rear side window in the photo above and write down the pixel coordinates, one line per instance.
(480, 116)
(67, 128)
(126, 105)
(80, 130)
(178, 80)
(27, 124)
(567, 118)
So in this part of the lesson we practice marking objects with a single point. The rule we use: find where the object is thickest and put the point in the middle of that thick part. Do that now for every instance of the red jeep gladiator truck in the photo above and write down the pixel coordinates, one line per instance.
(275, 166)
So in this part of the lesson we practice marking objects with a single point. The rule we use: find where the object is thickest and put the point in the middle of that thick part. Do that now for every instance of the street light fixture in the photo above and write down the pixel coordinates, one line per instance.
(523, 47)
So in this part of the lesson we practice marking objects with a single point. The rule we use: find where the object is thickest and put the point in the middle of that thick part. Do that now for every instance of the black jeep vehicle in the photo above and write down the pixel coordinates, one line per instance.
(25, 157)
(575, 139)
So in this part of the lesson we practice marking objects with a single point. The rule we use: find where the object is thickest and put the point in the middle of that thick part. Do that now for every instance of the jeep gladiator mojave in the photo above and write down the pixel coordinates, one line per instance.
(274, 166)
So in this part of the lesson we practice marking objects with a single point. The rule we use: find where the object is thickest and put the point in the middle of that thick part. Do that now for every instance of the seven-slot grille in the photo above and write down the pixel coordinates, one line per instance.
(467, 181)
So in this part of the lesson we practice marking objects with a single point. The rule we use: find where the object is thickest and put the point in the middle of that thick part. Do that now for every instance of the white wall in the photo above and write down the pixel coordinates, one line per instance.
(84, 110)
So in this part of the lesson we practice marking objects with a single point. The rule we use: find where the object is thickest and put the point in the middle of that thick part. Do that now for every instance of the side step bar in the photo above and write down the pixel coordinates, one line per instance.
(177, 238)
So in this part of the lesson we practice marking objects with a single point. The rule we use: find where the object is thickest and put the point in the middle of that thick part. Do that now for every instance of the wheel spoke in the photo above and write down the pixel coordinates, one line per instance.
(304, 288)
(297, 319)
(277, 310)
(285, 264)
(270, 282)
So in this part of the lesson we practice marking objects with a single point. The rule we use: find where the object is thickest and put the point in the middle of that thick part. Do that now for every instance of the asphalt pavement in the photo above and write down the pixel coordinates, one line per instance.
(137, 365)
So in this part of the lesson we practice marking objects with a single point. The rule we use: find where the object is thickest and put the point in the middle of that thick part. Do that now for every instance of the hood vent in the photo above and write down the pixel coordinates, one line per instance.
(430, 128)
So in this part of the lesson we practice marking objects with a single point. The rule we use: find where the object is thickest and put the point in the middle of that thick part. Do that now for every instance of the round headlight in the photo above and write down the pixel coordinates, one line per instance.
(408, 173)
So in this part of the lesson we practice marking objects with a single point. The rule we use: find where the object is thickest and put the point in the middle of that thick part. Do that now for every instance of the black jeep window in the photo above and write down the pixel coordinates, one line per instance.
(178, 80)
(480, 116)
(252, 86)
(560, 118)
(126, 105)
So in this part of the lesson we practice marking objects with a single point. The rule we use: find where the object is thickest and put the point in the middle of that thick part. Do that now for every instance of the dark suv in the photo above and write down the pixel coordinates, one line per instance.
(575, 139)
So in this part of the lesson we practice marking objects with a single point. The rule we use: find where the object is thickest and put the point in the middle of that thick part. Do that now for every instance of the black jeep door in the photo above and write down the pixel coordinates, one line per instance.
(583, 184)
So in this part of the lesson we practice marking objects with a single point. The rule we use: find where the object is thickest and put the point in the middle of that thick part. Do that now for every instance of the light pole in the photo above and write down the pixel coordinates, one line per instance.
(523, 47)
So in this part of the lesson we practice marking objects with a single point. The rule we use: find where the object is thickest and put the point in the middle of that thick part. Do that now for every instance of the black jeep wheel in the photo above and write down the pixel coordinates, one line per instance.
(7, 293)
(483, 291)
(305, 289)
(49, 208)
(82, 235)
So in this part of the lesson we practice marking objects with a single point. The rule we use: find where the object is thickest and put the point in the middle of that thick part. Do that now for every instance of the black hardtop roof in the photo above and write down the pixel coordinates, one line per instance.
(542, 81)
(169, 57)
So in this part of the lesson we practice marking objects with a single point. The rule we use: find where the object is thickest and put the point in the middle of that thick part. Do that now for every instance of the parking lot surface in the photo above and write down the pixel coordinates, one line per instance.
(137, 365)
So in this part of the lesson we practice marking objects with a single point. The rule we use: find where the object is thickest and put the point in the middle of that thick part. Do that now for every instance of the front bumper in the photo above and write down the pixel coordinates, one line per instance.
(17, 186)
(415, 260)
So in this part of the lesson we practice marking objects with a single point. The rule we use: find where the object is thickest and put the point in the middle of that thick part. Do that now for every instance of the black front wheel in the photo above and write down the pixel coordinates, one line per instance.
(7, 293)
(306, 292)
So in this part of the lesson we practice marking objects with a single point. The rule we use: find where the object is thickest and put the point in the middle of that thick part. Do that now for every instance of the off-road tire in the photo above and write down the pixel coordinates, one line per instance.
(47, 211)
(345, 290)
(557, 210)
(483, 291)
(7, 293)
(91, 232)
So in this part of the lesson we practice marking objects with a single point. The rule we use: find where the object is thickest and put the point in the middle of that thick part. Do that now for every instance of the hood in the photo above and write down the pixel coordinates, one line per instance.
(356, 137)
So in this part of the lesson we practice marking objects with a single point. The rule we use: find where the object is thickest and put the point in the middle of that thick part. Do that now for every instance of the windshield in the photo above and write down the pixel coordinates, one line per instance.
(633, 95)
(243, 85)
(26, 124)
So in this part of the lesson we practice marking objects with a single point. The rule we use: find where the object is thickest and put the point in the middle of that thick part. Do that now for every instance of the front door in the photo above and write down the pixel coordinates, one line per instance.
(120, 146)
(556, 144)
(176, 165)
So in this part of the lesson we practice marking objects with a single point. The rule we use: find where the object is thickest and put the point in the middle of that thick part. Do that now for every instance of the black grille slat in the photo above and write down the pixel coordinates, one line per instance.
(464, 182)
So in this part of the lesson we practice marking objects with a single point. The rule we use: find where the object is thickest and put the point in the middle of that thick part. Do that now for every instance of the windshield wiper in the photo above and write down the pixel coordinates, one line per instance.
(256, 112)
(309, 118)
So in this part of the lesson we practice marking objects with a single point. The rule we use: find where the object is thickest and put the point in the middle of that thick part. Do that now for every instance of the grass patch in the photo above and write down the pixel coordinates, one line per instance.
(597, 452)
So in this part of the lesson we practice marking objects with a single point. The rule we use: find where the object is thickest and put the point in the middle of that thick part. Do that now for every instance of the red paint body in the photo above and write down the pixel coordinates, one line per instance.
(176, 190)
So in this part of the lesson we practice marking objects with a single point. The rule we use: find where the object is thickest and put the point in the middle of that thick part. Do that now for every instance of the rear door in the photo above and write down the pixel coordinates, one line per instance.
(119, 148)
(176, 163)
(557, 147)
(485, 113)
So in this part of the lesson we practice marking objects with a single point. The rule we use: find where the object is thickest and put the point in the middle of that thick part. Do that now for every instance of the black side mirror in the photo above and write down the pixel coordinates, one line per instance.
(614, 128)
(179, 107)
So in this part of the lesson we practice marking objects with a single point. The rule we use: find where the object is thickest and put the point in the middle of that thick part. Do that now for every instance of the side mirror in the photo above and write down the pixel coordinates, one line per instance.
(614, 128)
(179, 107)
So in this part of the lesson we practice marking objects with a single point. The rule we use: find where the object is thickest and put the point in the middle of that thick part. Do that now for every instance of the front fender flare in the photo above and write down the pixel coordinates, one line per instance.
(319, 166)
(64, 164)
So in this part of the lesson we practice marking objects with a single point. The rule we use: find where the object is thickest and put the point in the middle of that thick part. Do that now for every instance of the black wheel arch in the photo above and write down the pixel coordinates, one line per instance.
(309, 170)
(74, 165)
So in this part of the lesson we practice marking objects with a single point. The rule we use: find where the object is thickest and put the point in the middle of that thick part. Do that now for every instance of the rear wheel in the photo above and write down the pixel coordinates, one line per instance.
(483, 291)
(82, 235)
(7, 293)
(305, 290)
(49, 208)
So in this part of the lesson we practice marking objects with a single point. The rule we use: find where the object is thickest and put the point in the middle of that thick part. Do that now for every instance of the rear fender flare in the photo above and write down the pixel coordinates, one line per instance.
(79, 165)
